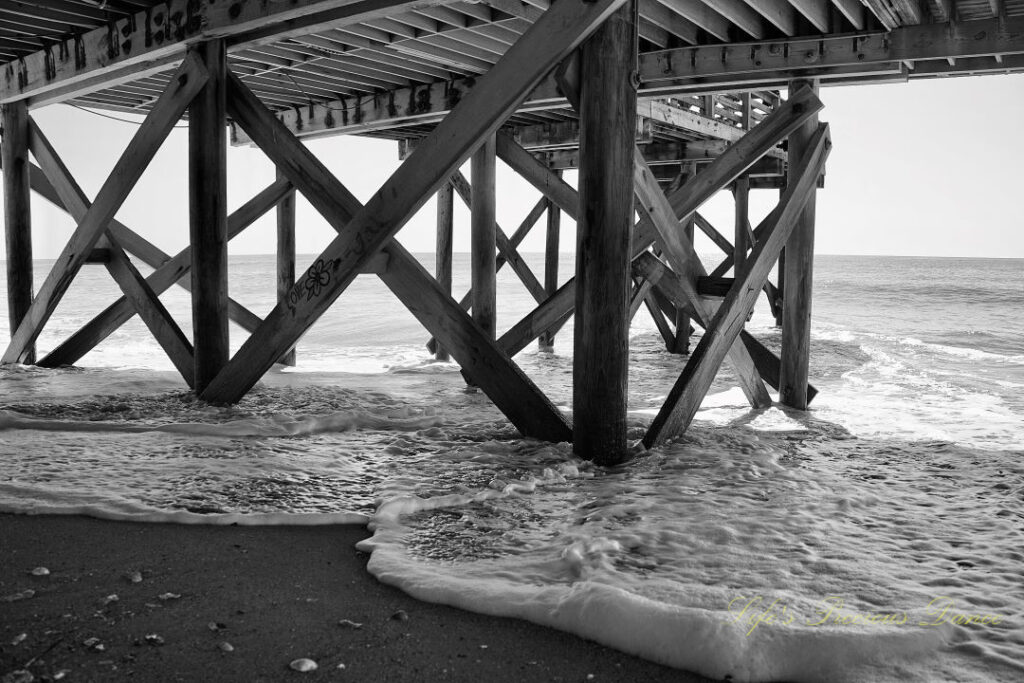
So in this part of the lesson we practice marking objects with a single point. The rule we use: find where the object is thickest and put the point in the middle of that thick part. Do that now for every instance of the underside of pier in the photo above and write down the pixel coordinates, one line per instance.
(659, 105)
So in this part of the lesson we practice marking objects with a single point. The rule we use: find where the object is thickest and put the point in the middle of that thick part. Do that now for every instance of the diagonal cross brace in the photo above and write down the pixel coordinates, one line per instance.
(184, 85)
(497, 375)
(689, 390)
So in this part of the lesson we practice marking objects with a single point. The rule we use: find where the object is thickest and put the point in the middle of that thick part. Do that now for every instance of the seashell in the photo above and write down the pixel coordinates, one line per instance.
(226, 647)
(154, 639)
(110, 598)
(216, 626)
(40, 571)
(303, 665)
(22, 595)
(18, 639)
(348, 623)
(400, 615)
(169, 596)
(134, 577)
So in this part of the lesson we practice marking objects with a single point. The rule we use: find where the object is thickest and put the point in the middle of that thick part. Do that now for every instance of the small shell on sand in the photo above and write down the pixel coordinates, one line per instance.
(400, 615)
(40, 571)
(169, 596)
(110, 598)
(21, 595)
(303, 665)
(17, 640)
(226, 647)
(348, 623)
(133, 577)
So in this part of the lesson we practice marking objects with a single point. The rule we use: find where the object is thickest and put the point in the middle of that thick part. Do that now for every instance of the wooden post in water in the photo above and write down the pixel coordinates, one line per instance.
(607, 139)
(483, 236)
(207, 137)
(797, 268)
(741, 238)
(547, 340)
(286, 254)
(17, 215)
(443, 257)
(681, 343)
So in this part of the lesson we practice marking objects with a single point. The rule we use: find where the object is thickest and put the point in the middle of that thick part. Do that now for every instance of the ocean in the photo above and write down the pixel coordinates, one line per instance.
(877, 537)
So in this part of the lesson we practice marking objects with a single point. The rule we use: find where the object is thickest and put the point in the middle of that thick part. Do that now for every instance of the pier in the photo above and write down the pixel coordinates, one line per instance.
(658, 104)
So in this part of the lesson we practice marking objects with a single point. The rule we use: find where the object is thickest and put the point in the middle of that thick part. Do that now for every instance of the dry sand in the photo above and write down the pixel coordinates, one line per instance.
(274, 594)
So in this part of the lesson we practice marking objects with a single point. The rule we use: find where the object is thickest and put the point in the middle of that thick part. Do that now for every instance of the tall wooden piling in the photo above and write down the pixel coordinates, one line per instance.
(17, 214)
(443, 256)
(601, 344)
(797, 270)
(483, 236)
(286, 254)
(681, 342)
(208, 216)
(554, 225)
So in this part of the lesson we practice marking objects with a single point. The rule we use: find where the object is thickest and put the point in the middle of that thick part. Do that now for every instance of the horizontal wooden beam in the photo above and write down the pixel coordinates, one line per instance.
(803, 57)
(158, 36)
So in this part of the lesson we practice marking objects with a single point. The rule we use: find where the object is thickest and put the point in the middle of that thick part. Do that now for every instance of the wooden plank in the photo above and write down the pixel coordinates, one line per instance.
(286, 255)
(483, 237)
(174, 270)
(443, 250)
(134, 44)
(151, 133)
(208, 217)
(816, 12)
(152, 312)
(667, 335)
(681, 319)
(551, 255)
(540, 176)
(686, 395)
(548, 41)
(778, 12)
(799, 275)
(17, 215)
(601, 341)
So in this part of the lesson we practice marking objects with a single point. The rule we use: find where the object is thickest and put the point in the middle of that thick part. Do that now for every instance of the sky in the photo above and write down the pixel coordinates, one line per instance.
(927, 168)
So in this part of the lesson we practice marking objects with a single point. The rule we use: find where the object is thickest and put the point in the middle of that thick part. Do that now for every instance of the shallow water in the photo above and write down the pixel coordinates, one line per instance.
(876, 537)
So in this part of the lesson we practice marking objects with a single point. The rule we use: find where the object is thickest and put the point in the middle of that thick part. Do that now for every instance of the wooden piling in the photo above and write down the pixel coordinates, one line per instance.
(443, 257)
(208, 216)
(681, 342)
(483, 236)
(741, 235)
(286, 254)
(601, 344)
(17, 215)
(554, 224)
(797, 267)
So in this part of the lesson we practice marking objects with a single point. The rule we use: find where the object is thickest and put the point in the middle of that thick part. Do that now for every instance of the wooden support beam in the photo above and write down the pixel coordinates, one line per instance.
(773, 63)
(208, 217)
(17, 215)
(483, 237)
(799, 267)
(189, 79)
(152, 312)
(551, 255)
(667, 334)
(157, 37)
(681, 320)
(364, 230)
(686, 395)
(513, 243)
(684, 260)
(507, 250)
(443, 250)
(170, 271)
(741, 241)
(286, 255)
(607, 113)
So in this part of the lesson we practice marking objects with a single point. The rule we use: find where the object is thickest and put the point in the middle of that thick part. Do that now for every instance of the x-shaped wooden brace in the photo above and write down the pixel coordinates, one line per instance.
(366, 230)
(187, 81)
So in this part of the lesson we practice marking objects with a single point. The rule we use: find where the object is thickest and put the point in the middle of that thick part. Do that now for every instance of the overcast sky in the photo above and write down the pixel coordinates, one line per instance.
(929, 168)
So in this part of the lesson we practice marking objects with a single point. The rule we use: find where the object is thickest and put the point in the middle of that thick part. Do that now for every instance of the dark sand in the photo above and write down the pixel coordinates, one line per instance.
(274, 593)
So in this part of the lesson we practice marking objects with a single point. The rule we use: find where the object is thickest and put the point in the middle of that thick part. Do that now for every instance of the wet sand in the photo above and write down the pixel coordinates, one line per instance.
(242, 603)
